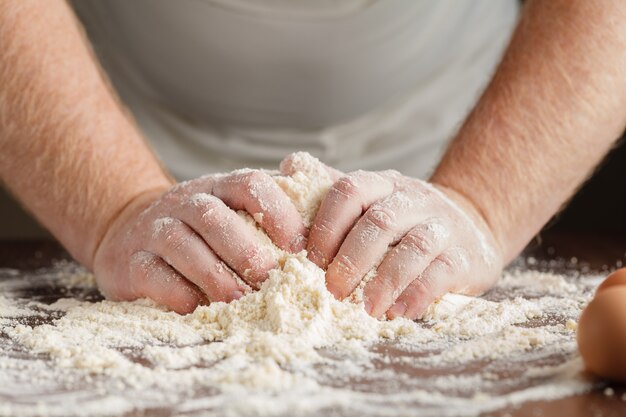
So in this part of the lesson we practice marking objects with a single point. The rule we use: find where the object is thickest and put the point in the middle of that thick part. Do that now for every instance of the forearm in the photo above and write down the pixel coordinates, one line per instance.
(67, 150)
(551, 112)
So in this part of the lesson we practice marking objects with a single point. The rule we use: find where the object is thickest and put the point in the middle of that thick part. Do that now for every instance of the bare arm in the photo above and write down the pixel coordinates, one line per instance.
(67, 150)
(73, 157)
(553, 109)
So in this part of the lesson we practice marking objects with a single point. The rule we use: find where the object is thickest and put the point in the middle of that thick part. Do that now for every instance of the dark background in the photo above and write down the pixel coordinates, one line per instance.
(599, 207)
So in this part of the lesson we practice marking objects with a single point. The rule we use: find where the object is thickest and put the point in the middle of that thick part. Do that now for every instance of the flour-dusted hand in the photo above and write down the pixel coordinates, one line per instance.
(187, 245)
(424, 240)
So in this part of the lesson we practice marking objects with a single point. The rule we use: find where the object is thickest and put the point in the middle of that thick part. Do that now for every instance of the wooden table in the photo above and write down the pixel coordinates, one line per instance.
(595, 253)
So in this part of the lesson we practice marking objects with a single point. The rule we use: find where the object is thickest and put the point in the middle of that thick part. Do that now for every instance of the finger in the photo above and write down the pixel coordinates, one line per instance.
(304, 162)
(188, 253)
(258, 194)
(202, 184)
(446, 273)
(403, 264)
(344, 203)
(152, 277)
(368, 241)
(229, 236)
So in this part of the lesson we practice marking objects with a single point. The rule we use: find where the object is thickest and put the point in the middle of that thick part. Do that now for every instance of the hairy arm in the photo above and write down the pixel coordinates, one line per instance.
(73, 157)
(67, 149)
(552, 111)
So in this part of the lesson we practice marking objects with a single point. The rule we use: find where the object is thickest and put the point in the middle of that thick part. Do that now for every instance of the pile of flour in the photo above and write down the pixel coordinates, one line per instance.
(289, 348)
(284, 323)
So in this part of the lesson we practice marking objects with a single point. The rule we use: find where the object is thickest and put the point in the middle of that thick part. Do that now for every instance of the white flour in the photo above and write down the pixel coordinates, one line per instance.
(290, 348)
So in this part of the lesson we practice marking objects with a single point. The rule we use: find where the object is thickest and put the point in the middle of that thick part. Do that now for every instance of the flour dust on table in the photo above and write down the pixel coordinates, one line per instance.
(289, 348)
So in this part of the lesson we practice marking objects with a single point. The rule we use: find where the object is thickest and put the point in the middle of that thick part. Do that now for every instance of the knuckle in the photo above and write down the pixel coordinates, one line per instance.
(249, 255)
(209, 209)
(161, 226)
(204, 201)
(258, 176)
(251, 261)
(255, 184)
(142, 261)
(381, 217)
(176, 240)
(422, 288)
(253, 177)
(447, 262)
(347, 187)
(387, 286)
(346, 265)
(457, 259)
(418, 243)
(316, 255)
(438, 232)
(141, 268)
(321, 227)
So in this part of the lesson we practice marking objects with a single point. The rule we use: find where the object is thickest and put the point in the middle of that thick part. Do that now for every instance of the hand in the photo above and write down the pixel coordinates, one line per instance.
(423, 239)
(187, 246)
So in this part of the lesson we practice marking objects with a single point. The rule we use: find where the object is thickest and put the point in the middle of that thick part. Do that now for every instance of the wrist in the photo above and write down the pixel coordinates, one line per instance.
(125, 211)
(478, 217)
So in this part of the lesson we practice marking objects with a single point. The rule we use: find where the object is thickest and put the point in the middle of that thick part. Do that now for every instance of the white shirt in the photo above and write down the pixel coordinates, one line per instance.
(372, 84)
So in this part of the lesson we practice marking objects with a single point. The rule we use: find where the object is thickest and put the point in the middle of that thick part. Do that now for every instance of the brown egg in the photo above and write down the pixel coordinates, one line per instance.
(616, 278)
(602, 333)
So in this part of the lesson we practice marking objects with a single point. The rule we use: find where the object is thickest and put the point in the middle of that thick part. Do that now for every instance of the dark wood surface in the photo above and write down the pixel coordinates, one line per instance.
(591, 253)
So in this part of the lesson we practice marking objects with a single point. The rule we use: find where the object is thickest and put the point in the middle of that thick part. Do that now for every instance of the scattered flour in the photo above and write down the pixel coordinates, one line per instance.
(289, 348)
(8, 308)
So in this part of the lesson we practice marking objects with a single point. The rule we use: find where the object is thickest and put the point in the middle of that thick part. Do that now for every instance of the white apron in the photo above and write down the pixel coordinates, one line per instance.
(373, 84)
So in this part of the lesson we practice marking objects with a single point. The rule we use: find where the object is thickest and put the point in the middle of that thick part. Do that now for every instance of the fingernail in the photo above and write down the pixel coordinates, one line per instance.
(236, 295)
(333, 290)
(396, 310)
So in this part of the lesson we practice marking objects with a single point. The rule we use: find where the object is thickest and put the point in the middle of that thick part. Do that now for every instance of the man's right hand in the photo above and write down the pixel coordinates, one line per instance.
(187, 246)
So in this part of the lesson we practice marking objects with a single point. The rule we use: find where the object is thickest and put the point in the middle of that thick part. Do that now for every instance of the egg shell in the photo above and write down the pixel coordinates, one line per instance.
(616, 278)
(602, 334)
